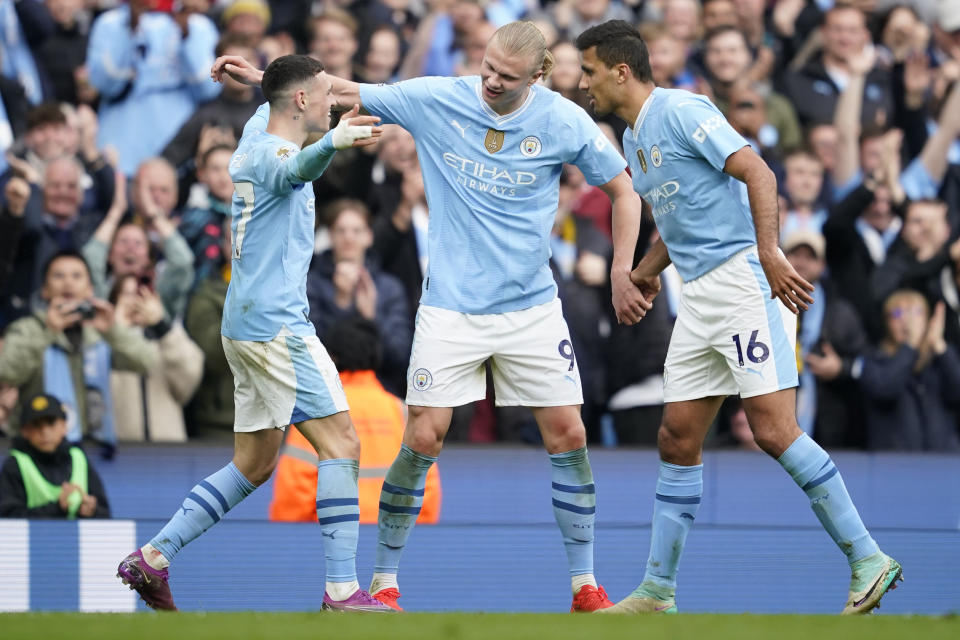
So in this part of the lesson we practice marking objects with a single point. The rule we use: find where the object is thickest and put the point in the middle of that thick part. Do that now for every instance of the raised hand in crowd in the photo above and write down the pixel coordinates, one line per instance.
(785, 14)
(827, 366)
(24, 169)
(17, 193)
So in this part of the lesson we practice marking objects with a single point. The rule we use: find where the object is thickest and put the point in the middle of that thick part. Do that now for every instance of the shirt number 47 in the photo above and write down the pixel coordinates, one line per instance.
(757, 351)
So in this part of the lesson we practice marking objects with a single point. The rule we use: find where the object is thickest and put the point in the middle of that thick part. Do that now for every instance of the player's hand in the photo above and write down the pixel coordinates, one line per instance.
(785, 283)
(18, 193)
(237, 68)
(355, 130)
(629, 303)
(826, 367)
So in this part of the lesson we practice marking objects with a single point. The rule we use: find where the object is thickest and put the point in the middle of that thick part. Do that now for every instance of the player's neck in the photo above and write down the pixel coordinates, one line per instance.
(513, 106)
(289, 126)
(637, 96)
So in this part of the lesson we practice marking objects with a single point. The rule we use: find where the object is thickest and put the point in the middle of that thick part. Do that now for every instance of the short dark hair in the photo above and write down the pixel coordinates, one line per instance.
(618, 42)
(205, 158)
(333, 211)
(230, 40)
(45, 114)
(723, 30)
(286, 71)
(64, 253)
(354, 344)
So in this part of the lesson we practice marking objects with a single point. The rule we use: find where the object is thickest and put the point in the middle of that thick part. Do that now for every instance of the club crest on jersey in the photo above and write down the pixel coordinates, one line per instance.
(530, 147)
(422, 379)
(643, 160)
(284, 152)
(493, 142)
(655, 156)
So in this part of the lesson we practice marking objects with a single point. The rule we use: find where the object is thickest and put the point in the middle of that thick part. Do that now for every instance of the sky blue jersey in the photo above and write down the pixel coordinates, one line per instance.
(677, 149)
(272, 225)
(492, 184)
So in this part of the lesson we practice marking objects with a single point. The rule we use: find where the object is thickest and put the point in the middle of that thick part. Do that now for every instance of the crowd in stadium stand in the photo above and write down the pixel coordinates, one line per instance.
(114, 186)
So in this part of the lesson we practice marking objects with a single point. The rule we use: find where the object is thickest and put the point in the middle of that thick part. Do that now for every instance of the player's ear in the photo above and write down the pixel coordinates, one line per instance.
(623, 72)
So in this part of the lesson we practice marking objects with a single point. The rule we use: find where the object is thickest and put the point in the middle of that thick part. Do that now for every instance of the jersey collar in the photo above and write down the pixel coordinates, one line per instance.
(643, 113)
(503, 119)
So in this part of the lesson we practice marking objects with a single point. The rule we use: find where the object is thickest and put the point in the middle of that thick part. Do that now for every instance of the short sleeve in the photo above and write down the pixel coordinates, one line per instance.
(275, 167)
(258, 121)
(704, 131)
(592, 152)
(400, 103)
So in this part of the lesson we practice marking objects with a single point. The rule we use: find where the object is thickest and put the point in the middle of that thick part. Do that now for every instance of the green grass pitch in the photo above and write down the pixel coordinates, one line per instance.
(468, 626)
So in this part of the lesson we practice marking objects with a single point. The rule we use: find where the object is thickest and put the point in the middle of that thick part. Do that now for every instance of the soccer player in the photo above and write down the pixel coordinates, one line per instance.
(715, 204)
(491, 148)
(282, 373)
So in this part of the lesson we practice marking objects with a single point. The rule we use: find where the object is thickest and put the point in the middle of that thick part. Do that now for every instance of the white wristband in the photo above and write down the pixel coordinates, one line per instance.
(345, 134)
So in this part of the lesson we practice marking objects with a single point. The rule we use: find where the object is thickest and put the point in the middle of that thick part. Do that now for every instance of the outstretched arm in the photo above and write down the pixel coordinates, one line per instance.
(345, 93)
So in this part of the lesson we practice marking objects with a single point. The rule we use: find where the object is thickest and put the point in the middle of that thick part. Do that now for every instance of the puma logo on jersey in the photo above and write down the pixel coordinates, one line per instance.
(463, 129)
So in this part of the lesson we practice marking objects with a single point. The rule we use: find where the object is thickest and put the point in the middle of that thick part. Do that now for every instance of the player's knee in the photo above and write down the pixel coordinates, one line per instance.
(676, 445)
(565, 436)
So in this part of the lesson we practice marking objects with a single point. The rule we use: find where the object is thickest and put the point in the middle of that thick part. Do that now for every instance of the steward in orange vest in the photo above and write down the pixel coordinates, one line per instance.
(379, 418)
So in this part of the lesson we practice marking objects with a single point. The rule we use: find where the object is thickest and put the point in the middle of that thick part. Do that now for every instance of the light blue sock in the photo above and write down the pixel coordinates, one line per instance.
(338, 512)
(203, 507)
(575, 506)
(400, 502)
(675, 508)
(813, 470)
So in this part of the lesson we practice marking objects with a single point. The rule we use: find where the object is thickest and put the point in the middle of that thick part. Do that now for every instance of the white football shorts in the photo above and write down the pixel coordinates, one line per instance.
(730, 337)
(530, 352)
(283, 381)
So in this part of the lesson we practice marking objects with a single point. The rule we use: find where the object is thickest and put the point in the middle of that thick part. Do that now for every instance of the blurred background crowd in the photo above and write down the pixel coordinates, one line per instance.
(115, 204)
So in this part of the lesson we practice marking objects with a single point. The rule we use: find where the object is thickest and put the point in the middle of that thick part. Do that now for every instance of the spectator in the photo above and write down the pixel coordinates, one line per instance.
(152, 407)
(919, 255)
(911, 381)
(565, 78)
(378, 417)
(118, 249)
(436, 45)
(202, 223)
(950, 289)
(815, 88)
(381, 59)
(152, 69)
(573, 18)
(861, 228)
(682, 20)
(50, 221)
(400, 237)
(345, 282)
(719, 13)
(668, 58)
(44, 140)
(210, 413)
(803, 184)
(830, 337)
(748, 114)
(17, 61)
(45, 476)
(62, 53)
(728, 61)
(247, 21)
(226, 114)
(69, 348)
(334, 41)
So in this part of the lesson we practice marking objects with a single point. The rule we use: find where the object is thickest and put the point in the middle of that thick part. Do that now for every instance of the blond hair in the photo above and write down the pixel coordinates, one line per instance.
(523, 38)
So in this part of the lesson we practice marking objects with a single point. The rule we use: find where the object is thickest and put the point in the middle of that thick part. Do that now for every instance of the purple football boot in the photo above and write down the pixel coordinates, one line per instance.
(152, 585)
(359, 601)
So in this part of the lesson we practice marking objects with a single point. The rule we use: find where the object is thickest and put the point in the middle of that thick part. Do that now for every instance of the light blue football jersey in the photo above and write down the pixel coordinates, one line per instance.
(492, 184)
(272, 227)
(676, 150)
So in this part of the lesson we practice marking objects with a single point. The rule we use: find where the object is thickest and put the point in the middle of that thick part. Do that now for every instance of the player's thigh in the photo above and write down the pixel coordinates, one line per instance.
(535, 364)
(693, 369)
(755, 334)
(446, 360)
(301, 382)
(245, 360)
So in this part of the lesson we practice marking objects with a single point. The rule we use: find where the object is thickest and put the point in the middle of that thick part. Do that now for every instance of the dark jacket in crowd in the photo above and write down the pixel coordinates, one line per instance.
(56, 468)
(851, 267)
(909, 411)
(901, 270)
(392, 317)
(815, 95)
(211, 409)
(399, 257)
(839, 421)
